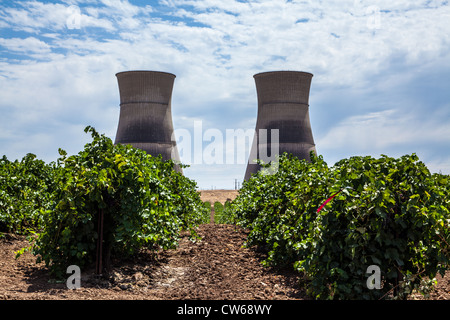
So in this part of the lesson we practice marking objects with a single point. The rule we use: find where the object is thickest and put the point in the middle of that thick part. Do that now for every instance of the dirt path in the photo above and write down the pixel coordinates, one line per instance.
(216, 267)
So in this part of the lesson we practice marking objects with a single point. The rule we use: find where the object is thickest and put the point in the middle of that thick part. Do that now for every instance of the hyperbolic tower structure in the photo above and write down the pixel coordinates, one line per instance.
(283, 104)
(145, 120)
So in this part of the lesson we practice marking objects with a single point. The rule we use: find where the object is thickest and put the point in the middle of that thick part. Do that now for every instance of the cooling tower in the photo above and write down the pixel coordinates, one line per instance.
(145, 120)
(283, 98)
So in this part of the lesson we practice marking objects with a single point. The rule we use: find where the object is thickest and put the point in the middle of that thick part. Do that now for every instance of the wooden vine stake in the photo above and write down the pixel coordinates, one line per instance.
(99, 255)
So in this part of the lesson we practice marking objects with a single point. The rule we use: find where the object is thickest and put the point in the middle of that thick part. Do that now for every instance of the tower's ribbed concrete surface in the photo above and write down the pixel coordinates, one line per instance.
(145, 120)
(283, 104)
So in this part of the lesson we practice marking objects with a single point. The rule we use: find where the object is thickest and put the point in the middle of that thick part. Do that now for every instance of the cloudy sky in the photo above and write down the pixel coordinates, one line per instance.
(381, 70)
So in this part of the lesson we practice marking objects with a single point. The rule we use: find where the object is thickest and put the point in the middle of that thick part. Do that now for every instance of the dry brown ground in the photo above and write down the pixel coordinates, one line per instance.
(216, 267)
(218, 195)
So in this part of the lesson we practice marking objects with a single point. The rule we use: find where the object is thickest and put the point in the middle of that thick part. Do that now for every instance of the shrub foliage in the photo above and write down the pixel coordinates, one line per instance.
(392, 213)
(25, 189)
(144, 201)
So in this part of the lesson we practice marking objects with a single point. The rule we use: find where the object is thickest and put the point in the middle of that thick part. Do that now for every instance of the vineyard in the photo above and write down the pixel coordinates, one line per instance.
(305, 231)
(331, 223)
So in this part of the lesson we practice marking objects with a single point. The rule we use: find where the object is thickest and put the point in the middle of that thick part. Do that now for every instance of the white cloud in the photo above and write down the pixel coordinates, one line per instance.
(392, 132)
(214, 48)
(35, 15)
(32, 16)
(441, 165)
(27, 45)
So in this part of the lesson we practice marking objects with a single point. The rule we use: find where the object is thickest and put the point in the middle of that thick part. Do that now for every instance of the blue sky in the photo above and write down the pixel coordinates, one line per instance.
(381, 70)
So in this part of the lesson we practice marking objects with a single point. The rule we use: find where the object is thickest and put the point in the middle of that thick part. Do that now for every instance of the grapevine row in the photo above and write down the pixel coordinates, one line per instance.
(388, 212)
(144, 203)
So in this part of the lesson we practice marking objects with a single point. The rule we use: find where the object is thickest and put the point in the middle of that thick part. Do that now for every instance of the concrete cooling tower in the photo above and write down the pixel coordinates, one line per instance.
(283, 98)
(145, 120)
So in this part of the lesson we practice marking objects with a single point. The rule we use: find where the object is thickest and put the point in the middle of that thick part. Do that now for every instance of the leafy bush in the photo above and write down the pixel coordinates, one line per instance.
(25, 188)
(218, 212)
(222, 213)
(387, 212)
(145, 204)
(207, 205)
